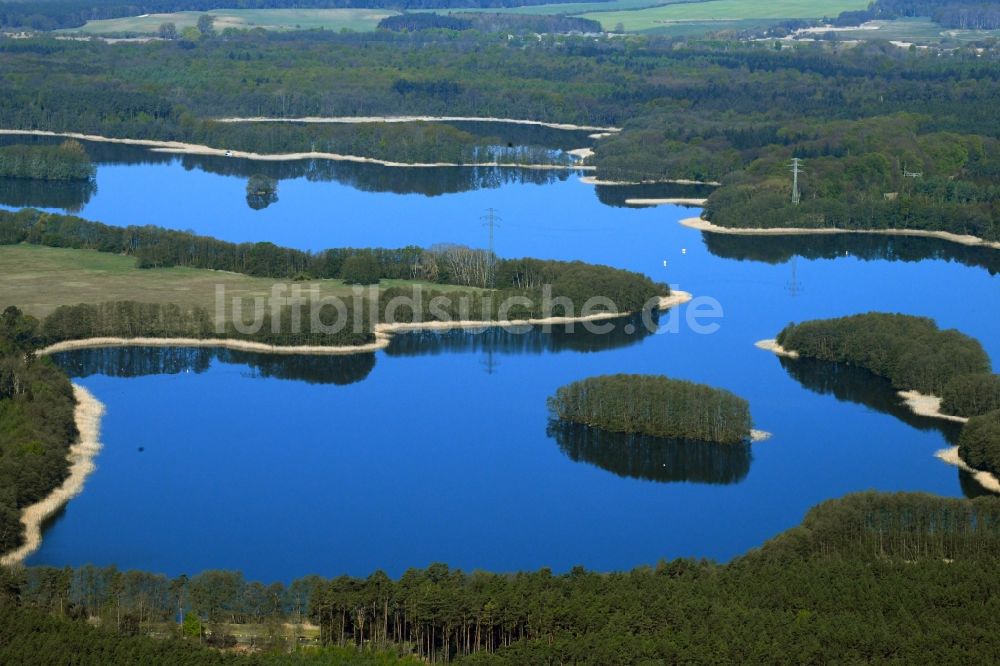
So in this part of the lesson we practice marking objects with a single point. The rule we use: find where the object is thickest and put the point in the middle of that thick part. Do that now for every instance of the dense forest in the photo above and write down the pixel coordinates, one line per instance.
(924, 566)
(979, 444)
(889, 138)
(912, 352)
(36, 424)
(656, 406)
(68, 161)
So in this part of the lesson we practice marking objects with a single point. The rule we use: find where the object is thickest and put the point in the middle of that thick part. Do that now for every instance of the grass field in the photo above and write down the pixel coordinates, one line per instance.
(358, 20)
(570, 8)
(720, 11)
(914, 30)
(39, 279)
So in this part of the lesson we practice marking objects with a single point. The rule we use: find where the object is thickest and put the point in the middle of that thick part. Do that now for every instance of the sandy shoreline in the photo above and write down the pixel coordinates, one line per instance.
(593, 180)
(772, 345)
(180, 148)
(985, 479)
(383, 334)
(88, 413)
(676, 201)
(759, 435)
(356, 120)
(922, 405)
(704, 225)
(927, 405)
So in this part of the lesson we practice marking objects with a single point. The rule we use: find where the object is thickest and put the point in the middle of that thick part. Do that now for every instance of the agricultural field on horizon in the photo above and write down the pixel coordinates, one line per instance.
(246, 19)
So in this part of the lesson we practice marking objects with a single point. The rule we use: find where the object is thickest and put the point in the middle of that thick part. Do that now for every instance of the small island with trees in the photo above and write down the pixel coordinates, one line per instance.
(66, 162)
(656, 406)
(945, 368)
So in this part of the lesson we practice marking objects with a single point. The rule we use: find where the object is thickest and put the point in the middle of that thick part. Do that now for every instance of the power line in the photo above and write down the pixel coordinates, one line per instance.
(796, 167)
(491, 220)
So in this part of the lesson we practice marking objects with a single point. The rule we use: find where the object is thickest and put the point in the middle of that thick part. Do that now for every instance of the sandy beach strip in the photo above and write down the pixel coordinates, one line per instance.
(927, 405)
(985, 479)
(704, 225)
(180, 148)
(593, 180)
(88, 413)
(772, 346)
(582, 153)
(358, 120)
(383, 334)
(676, 201)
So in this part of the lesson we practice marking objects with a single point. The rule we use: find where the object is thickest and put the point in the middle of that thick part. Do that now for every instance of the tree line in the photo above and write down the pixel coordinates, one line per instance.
(155, 247)
(68, 161)
(979, 443)
(656, 406)
(922, 564)
(37, 424)
(912, 352)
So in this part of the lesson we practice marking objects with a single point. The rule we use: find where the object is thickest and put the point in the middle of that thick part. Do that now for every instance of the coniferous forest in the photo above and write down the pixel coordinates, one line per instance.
(656, 406)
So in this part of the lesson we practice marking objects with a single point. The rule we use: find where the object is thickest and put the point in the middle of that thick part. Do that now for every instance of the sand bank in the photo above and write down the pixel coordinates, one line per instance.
(676, 201)
(760, 435)
(89, 411)
(704, 225)
(381, 342)
(985, 479)
(592, 180)
(928, 405)
(773, 346)
(356, 120)
(180, 148)
(582, 153)
(383, 334)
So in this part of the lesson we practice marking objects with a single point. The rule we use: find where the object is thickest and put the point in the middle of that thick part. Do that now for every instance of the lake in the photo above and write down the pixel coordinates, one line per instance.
(440, 448)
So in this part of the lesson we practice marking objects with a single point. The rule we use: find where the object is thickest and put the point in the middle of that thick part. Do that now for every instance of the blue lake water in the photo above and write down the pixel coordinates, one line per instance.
(440, 448)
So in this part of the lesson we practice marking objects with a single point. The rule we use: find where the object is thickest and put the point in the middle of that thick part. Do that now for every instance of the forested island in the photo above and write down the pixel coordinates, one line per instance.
(656, 406)
(914, 354)
(453, 283)
(65, 162)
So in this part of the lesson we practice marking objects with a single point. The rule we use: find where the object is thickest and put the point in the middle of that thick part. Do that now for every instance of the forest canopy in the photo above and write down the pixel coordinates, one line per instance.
(656, 406)
(911, 352)
(68, 161)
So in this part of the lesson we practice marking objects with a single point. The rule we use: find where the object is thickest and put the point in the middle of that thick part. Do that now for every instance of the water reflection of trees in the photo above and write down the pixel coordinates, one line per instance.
(616, 195)
(868, 247)
(651, 458)
(852, 384)
(144, 361)
(28, 193)
(521, 340)
(849, 383)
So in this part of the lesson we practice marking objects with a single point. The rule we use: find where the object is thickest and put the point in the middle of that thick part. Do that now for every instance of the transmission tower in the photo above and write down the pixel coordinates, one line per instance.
(794, 286)
(796, 167)
(491, 220)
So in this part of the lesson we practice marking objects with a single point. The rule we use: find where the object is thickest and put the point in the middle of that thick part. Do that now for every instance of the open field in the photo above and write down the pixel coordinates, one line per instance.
(652, 18)
(39, 279)
(569, 8)
(918, 30)
(245, 19)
